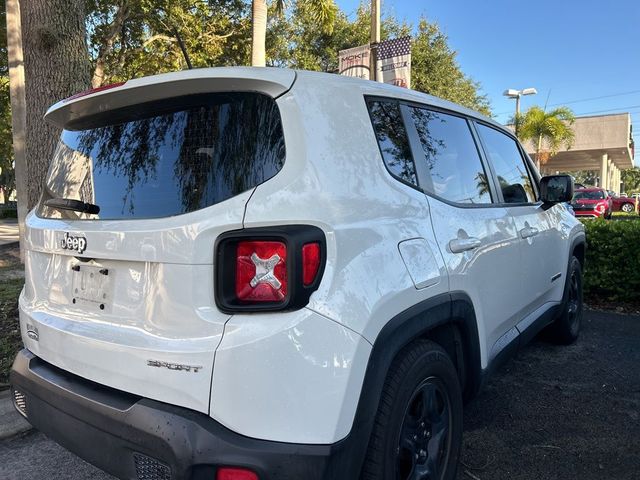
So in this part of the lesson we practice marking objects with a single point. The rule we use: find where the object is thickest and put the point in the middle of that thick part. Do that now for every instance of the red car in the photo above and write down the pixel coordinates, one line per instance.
(622, 204)
(592, 202)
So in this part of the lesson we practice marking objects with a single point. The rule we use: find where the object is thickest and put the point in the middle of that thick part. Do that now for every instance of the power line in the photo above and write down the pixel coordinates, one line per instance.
(581, 100)
(616, 109)
(595, 98)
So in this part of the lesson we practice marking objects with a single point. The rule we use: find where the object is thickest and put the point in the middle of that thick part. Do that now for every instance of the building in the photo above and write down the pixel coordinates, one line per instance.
(602, 143)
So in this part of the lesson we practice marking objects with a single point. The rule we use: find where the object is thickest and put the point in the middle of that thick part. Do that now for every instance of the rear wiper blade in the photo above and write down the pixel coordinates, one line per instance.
(74, 205)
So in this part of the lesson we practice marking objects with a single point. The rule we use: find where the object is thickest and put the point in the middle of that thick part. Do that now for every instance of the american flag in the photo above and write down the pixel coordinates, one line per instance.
(394, 48)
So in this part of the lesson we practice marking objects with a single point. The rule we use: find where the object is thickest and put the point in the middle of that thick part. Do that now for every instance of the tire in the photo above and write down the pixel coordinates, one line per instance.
(627, 208)
(417, 432)
(566, 327)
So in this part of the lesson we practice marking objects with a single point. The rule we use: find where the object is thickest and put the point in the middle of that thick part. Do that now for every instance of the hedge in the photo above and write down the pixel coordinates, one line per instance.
(612, 269)
(8, 213)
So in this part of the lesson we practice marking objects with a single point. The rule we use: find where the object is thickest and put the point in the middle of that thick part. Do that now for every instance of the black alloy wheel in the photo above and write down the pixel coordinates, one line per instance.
(417, 433)
(566, 328)
(424, 440)
(574, 303)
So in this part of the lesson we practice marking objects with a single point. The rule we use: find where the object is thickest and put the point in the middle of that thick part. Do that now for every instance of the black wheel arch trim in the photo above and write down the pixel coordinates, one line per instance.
(415, 322)
(579, 240)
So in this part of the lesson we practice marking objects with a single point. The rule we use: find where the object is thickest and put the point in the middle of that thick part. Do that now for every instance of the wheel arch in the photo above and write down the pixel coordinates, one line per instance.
(447, 319)
(579, 249)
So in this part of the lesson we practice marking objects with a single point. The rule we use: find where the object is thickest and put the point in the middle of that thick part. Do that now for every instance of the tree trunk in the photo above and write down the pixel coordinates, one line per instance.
(18, 110)
(106, 48)
(259, 29)
(539, 147)
(56, 65)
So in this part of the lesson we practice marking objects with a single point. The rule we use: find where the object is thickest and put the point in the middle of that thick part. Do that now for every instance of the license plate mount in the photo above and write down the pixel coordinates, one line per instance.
(91, 287)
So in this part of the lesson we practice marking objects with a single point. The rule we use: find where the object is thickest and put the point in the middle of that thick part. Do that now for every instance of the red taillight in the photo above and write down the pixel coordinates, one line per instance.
(268, 269)
(93, 90)
(235, 474)
(261, 271)
(310, 262)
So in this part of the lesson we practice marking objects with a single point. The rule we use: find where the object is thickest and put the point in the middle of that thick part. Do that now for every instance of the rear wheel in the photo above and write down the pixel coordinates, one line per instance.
(566, 328)
(627, 208)
(418, 426)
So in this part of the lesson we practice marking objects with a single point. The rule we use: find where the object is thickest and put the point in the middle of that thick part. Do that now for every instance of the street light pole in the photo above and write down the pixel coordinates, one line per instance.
(512, 93)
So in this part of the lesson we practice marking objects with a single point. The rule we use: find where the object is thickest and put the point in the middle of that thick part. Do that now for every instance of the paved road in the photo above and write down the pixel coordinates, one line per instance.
(8, 231)
(552, 413)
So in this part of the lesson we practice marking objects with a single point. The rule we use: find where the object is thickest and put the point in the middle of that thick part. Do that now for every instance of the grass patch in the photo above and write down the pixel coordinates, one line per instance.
(10, 341)
(626, 216)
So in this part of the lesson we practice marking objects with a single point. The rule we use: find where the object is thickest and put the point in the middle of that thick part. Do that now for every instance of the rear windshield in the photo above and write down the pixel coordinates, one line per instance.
(592, 195)
(159, 160)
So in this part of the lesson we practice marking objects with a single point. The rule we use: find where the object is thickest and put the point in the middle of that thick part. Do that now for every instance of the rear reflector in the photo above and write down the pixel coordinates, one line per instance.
(235, 474)
(261, 271)
(310, 262)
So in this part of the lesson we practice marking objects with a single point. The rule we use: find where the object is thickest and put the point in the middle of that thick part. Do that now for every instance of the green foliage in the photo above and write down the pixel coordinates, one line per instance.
(135, 38)
(550, 130)
(10, 341)
(613, 259)
(298, 40)
(584, 177)
(631, 179)
(8, 213)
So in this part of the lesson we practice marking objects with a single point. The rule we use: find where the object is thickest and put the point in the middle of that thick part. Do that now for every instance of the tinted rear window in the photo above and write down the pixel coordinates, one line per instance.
(167, 160)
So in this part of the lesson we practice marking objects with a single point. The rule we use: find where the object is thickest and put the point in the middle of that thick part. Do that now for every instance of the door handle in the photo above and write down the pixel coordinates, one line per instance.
(529, 232)
(459, 245)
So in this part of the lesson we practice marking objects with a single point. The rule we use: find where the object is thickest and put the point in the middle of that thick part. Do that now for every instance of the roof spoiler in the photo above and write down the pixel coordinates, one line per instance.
(270, 81)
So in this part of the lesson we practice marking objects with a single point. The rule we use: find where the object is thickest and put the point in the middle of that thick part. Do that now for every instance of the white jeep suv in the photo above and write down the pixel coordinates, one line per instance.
(241, 274)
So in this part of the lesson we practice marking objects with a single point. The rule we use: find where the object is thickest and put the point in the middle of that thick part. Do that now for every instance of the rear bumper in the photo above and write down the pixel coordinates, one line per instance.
(135, 438)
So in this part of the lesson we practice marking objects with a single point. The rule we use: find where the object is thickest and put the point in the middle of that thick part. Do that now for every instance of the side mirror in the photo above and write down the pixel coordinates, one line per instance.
(556, 189)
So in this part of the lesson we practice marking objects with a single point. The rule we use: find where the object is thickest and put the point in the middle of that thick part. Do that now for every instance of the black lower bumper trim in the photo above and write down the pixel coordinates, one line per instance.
(109, 428)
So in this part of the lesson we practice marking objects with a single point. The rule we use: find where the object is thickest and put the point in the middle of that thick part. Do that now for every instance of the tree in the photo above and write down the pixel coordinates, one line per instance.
(133, 38)
(631, 179)
(299, 41)
(56, 65)
(323, 11)
(549, 131)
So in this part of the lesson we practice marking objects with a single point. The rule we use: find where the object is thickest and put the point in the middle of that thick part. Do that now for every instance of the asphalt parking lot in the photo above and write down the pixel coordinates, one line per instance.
(551, 413)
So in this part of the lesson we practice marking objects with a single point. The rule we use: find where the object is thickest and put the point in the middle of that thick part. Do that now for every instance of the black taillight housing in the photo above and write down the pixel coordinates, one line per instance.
(268, 268)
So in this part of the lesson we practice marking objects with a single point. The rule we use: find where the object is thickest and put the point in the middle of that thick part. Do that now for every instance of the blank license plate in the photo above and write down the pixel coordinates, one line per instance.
(91, 286)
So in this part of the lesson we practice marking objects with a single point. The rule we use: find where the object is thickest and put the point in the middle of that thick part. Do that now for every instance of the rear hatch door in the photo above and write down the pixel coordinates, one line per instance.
(124, 297)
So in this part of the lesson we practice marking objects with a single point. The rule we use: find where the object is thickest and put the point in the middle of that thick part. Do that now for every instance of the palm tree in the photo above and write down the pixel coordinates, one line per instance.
(323, 10)
(551, 129)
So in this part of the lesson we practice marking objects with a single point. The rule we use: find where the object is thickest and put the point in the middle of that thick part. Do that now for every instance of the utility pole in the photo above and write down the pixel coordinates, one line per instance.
(375, 39)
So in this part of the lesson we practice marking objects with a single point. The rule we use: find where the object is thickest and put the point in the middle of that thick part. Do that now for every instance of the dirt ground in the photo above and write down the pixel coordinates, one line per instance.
(561, 412)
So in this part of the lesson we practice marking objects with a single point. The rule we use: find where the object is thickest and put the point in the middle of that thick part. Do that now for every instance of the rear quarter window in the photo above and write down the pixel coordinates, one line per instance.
(393, 141)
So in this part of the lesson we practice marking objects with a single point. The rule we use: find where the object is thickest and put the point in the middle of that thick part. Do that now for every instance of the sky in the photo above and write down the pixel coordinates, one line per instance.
(574, 52)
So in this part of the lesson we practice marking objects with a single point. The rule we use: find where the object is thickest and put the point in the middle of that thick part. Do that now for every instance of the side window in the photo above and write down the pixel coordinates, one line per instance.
(512, 174)
(392, 140)
(451, 156)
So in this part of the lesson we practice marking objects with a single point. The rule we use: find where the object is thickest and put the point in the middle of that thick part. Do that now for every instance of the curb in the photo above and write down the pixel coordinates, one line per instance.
(11, 422)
